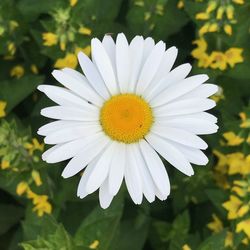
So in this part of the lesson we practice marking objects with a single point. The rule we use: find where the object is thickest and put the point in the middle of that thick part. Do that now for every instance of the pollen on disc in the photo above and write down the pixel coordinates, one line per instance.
(126, 118)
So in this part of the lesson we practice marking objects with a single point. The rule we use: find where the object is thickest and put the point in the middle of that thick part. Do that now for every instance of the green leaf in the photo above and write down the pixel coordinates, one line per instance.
(9, 216)
(100, 224)
(217, 197)
(215, 241)
(53, 236)
(15, 91)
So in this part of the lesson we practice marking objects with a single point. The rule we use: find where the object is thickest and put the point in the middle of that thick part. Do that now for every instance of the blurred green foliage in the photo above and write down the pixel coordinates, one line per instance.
(40, 210)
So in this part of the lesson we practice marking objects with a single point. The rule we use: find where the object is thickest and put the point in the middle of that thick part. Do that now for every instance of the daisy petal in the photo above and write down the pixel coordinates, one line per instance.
(136, 54)
(104, 196)
(104, 65)
(62, 152)
(170, 153)
(72, 133)
(187, 106)
(53, 126)
(122, 62)
(194, 155)
(81, 190)
(200, 115)
(179, 135)
(117, 168)
(109, 45)
(150, 67)
(149, 44)
(193, 125)
(203, 91)
(64, 97)
(69, 113)
(88, 152)
(93, 75)
(80, 88)
(155, 167)
(176, 75)
(178, 90)
(148, 186)
(132, 177)
(167, 63)
(100, 173)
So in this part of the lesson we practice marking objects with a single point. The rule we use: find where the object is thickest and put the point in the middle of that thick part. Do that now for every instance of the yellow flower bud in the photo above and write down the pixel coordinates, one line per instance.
(36, 177)
(211, 6)
(202, 16)
(213, 27)
(220, 12)
(230, 12)
(22, 187)
(85, 31)
(228, 29)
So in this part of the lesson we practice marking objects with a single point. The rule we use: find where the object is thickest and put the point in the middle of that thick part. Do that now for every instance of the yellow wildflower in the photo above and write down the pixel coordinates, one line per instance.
(222, 159)
(213, 27)
(139, 3)
(218, 95)
(62, 45)
(238, 164)
(36, 177)
(216, 225)
(239, 1)
(94, 244)
(245, 121)
(34, 69)
(5, 164)
(233, 206)
(211, 6)
(243, 210)
(13, 25)
(17, 71)
(11, 48)
(230, 12)
(186, 247)
(240, 183)
(70, 61)
(228, 29)
(218, 60)
(233, 56)
(86, 50)
(239, 191)
(244, 226)
(202, 16)
(35, 145)
(245, 241)
(73, 2)
(85, 31)
(31, 194)
(41, 205)
(2, 109)
(22, 187)
(220, 12)
(229, 240)
(49, 39)
(232, 139)
(147, 16)
(180, 4)
(159, 9)
(204, 29)
(200, 51)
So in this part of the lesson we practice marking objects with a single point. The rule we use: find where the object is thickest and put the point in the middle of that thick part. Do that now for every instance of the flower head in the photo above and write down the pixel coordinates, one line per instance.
(128, 108)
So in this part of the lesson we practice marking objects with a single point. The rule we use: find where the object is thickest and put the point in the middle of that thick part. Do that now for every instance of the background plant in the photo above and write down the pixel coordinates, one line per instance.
(39, 210)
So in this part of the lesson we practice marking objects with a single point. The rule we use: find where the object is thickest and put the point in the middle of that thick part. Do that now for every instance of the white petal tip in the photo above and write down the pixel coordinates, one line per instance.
(40, 88)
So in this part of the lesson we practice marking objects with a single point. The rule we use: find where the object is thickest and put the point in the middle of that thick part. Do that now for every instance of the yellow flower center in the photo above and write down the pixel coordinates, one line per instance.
(126, 118)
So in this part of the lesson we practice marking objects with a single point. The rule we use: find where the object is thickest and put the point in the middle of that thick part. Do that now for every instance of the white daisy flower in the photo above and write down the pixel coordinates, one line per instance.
(128, 108)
